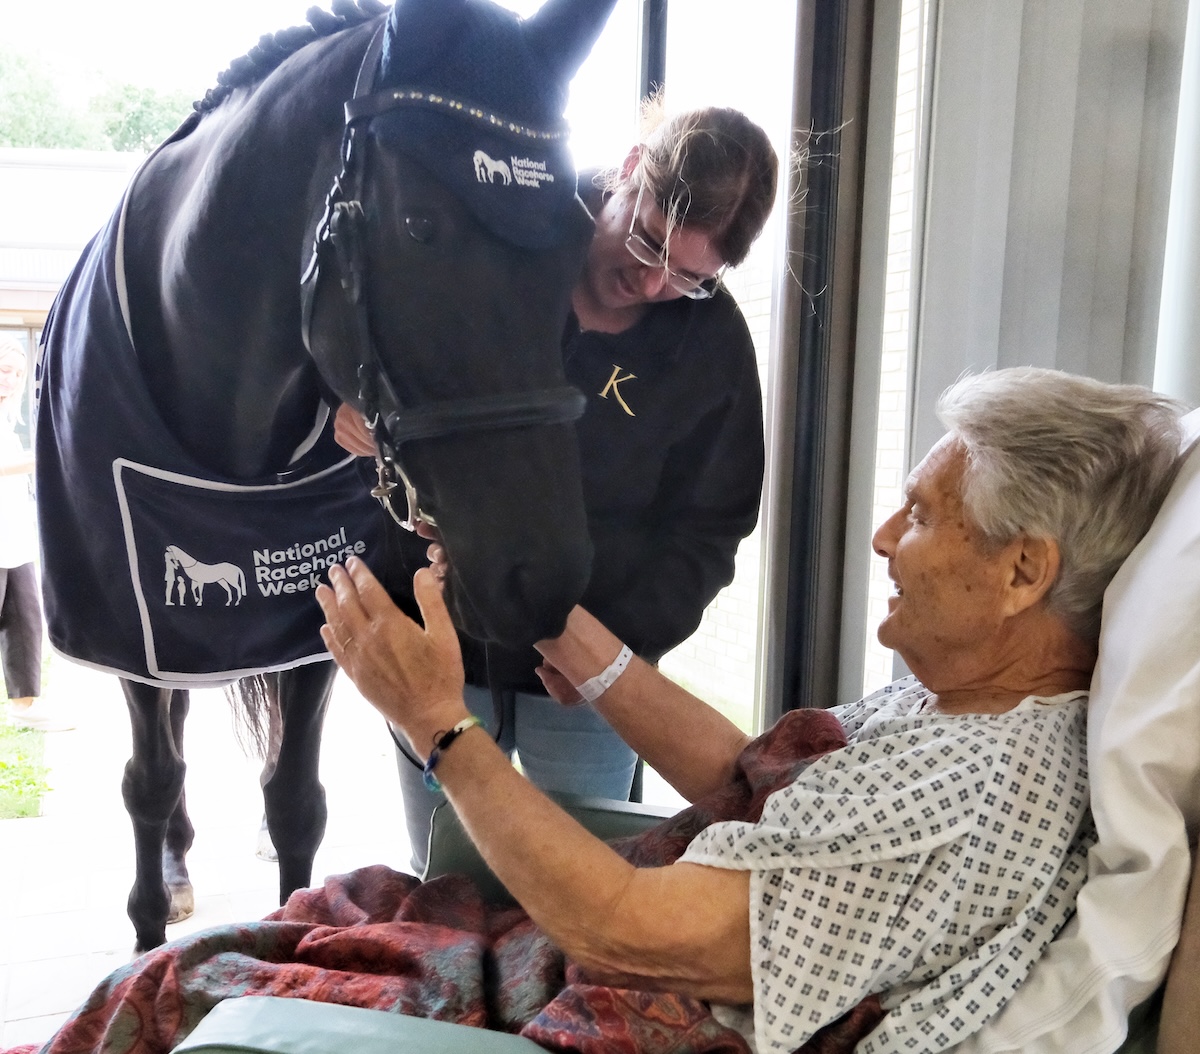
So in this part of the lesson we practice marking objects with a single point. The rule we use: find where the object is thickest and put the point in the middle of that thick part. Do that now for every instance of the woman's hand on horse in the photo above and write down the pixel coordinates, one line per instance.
(560, 689)
(411, 675)
(439, 564)
(351, 431)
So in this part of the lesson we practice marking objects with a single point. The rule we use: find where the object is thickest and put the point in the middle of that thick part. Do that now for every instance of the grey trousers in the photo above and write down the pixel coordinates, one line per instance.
(20, 631)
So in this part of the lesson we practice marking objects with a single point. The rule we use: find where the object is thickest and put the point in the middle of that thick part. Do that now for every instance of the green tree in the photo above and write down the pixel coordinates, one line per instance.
(138, 119)
(32, 113)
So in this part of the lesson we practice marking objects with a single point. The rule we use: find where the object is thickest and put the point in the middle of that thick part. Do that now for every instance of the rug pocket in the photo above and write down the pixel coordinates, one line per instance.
(224, 573)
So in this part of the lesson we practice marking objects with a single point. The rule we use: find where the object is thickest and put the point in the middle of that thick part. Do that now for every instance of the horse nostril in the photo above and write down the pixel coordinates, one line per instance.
(420, 228)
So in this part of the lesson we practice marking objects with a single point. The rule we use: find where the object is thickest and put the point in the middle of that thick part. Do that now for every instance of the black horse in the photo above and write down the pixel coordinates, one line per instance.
(375, 209)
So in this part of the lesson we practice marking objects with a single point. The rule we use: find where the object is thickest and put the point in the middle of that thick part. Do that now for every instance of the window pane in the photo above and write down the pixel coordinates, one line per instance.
(898, 333)
(737, 55)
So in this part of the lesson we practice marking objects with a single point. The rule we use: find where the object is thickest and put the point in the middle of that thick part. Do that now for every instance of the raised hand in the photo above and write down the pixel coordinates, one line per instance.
(411, 675)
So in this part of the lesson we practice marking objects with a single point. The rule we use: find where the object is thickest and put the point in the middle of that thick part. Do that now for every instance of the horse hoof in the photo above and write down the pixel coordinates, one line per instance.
(183, 904)
(265, 848)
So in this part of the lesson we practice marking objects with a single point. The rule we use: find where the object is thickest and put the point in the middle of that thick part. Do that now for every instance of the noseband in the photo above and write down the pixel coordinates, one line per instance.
(343, 229)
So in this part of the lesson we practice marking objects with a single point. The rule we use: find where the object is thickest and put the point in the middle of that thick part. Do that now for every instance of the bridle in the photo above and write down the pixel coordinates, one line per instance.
(343, 229)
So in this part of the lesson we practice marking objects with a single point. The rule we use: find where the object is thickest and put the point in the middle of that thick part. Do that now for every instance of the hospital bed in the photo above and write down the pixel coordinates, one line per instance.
(272, 1025)
(1100, 986)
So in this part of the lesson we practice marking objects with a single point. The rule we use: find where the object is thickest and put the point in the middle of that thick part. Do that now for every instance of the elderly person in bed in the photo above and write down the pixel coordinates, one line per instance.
(929, 861)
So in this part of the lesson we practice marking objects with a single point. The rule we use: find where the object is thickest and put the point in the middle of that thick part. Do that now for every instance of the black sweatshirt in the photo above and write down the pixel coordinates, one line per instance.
(671, 447)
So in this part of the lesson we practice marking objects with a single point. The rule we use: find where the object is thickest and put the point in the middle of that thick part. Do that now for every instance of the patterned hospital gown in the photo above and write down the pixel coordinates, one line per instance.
(931, 860)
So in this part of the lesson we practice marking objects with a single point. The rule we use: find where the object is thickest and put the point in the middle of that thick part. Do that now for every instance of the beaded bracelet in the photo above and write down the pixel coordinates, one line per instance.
(441, 741)
(594, 687)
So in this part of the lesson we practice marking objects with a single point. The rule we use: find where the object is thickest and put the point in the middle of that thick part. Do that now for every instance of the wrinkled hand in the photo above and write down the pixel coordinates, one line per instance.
(352, 433)
(413, 676)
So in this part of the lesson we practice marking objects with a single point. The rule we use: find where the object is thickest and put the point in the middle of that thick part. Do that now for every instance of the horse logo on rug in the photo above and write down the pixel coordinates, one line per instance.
(179, 565)
(487, 169)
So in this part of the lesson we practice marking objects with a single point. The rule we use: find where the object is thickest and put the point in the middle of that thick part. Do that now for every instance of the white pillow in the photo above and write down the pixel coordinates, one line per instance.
(1144, 753)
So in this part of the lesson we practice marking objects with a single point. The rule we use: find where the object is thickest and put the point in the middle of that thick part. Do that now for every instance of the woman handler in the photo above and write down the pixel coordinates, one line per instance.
(671, 442)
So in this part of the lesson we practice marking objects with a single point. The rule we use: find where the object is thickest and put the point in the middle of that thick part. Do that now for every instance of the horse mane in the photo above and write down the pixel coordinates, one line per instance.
(273, 48)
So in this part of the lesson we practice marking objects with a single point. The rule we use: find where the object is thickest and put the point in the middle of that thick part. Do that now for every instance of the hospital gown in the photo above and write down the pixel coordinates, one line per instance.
(930, 860)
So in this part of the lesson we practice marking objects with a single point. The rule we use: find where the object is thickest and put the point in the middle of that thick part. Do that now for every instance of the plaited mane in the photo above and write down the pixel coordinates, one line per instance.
(273, 48)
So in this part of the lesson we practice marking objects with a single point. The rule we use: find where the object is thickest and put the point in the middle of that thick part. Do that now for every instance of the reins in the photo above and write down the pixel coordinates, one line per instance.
(343, 229)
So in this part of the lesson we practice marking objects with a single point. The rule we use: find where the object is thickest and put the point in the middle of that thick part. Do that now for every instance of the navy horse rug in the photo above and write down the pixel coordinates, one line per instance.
(186, 578)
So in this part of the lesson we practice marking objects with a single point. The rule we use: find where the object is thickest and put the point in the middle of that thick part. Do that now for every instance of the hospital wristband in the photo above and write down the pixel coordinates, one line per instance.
(441, 742)
(594, 687)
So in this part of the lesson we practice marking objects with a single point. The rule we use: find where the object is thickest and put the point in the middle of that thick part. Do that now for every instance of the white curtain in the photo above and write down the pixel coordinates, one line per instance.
(1052, 141)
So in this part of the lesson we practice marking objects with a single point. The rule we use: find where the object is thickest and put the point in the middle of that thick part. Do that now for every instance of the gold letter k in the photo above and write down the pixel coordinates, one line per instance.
(611, 386)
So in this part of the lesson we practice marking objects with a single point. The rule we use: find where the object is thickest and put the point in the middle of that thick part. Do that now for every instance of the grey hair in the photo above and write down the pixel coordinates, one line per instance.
(1053, 455)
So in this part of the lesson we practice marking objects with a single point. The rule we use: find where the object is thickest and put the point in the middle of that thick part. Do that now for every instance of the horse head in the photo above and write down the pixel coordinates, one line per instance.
(456, 237)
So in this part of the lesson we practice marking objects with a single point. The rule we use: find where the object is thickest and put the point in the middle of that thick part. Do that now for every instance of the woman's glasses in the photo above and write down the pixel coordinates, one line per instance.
(649, 254)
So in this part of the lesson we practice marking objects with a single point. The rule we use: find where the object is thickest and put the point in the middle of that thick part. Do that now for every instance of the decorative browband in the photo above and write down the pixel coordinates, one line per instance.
(390, 98)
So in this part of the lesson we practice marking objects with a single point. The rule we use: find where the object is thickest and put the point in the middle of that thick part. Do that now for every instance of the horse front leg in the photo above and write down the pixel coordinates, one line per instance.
(180, 832)
(152, 789)
(292, 793)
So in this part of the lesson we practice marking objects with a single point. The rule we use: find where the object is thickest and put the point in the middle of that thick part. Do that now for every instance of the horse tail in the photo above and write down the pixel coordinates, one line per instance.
(255, 705)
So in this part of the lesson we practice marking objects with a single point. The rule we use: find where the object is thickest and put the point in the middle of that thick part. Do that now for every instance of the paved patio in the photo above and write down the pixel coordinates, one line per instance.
(66, 874)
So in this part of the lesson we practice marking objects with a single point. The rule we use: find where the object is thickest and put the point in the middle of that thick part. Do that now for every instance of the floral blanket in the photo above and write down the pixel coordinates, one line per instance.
(381, 939)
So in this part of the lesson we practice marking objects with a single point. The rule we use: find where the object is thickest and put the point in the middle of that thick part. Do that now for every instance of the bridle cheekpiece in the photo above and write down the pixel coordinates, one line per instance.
(343, 228)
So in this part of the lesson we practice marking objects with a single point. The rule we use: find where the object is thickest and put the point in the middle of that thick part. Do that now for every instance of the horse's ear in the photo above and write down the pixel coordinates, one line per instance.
(419, 32)
(563, 32)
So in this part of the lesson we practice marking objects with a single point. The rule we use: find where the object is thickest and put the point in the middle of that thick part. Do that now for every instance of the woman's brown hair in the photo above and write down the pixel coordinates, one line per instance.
(711, 168)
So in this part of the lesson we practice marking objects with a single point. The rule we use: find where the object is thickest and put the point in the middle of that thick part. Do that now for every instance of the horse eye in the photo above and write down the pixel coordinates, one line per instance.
(420, 228)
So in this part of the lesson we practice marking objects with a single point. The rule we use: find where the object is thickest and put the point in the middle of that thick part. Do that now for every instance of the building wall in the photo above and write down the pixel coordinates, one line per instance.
(57, 199)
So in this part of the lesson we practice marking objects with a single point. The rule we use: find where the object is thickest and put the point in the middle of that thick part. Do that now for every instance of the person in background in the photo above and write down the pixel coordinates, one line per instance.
(671, 442)
(20, 607)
